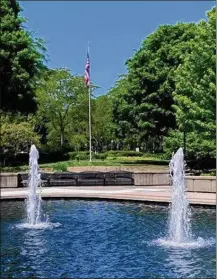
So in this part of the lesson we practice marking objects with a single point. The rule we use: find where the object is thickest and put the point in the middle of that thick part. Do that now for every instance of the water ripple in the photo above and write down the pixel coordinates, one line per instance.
(100, 239)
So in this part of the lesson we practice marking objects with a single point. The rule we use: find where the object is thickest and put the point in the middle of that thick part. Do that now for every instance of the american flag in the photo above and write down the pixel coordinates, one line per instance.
(87, 71)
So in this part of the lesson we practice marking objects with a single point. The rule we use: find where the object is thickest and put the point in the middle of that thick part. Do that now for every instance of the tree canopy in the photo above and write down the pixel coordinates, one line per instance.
(166, 99)
(21, 60)
(195, 92)
(170, 85)
(57, 97)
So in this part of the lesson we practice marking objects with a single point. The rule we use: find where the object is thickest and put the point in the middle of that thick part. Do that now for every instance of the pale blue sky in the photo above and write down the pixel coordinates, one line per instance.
(115, 30)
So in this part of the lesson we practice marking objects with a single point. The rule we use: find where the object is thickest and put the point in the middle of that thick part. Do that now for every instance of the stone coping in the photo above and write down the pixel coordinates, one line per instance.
(150, 172)
(157, 194)
(8, 173)
(201, 177)
(135, 172)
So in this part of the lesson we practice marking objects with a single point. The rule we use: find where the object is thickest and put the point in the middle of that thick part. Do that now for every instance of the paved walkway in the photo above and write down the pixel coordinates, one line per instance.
(160, 194)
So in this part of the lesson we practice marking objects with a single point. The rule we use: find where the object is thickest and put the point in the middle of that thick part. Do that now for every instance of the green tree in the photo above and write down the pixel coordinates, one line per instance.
(17, 138)
(147, 112)
(195, 93)
(79, 131)
(78, 141)
(21, 60)
(197, 147)
(125, 134)
(58, 98)
(102, 127)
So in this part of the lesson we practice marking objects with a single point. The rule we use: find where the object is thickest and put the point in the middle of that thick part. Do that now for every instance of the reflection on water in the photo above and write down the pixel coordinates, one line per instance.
(34, 244)
(101, 239)
(190, 244)
(184, 263)
(187, 264)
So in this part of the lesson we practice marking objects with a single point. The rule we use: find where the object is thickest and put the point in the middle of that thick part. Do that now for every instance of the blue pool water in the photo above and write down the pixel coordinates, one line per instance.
(99, 239)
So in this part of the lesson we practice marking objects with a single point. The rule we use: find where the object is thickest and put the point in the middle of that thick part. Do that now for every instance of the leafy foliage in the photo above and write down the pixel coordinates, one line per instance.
(196, 146)
(21, 60)
(17, 138)
(126, 135)
(151, 79)
(58, 98)
(102, 126)
(61, 166)
(195, 93)
(120, 153)
(169, 90)
(166, 99)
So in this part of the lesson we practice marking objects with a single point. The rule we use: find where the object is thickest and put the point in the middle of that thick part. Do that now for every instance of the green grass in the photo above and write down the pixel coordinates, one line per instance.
(15, 169)
(212, 173)
(151, 162)
(83, 163)
(60, 166)
(148, 162)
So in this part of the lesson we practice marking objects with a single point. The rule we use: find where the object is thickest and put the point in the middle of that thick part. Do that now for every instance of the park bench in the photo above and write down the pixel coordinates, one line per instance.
(63, 179)
(91, 179)
(81, 179)
(119, 178)
(23, 179)
(105, 179)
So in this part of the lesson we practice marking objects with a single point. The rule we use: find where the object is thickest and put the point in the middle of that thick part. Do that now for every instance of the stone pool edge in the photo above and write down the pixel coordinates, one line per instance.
(203, 184)
(154, 195)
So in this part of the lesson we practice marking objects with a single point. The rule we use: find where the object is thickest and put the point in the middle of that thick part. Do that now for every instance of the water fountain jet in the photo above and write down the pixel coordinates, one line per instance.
(180, 233)
(33, 202)
(34, 198)
(179, 224)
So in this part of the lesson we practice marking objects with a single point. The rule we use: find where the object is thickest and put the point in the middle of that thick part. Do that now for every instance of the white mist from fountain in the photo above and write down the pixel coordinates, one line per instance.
(180, 233)
(33, 202)
(179, 224)
(34, 198)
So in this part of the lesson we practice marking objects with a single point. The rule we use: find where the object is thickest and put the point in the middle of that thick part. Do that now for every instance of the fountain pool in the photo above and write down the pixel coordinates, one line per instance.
(99, 239)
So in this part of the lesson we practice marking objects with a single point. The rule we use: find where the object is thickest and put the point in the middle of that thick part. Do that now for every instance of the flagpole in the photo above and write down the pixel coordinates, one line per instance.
(90, 136)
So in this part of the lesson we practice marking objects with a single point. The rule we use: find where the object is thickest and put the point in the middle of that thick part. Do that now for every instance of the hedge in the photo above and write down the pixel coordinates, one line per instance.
(84, 155)
(119, 153)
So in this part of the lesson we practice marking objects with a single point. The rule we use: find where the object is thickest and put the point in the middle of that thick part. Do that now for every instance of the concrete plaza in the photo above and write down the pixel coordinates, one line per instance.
(148, 194)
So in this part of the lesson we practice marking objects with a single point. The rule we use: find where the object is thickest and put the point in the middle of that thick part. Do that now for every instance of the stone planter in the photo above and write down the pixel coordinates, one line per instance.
(9, 180)
(205, 184)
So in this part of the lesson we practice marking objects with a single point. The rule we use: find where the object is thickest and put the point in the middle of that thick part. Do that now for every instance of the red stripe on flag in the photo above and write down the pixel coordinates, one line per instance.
(87, 71)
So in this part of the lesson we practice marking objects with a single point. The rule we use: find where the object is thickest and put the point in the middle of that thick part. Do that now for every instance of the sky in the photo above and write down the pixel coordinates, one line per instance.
(115, 30)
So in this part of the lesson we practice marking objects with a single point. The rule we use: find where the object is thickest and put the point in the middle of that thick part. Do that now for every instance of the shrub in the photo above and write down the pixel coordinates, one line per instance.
(120, 153)
(60, 167)
(101, 156)
(212, 173)
(157, 156)
(196, 146)
(84, 155)
(147, 162)
(52, 156)
(16, 139)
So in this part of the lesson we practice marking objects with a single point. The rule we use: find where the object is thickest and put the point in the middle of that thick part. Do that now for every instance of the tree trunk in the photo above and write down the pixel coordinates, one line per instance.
(61, 139)
(161, 144)
(153, 145)
(184, 142)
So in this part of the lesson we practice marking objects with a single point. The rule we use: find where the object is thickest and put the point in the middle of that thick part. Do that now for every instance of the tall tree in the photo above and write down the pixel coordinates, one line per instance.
(102, 127)
(78, 130)
(125, 134)
(152, 80)
(195, 93)
(21, 59)
(16, 138)
(58, 98)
